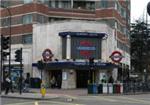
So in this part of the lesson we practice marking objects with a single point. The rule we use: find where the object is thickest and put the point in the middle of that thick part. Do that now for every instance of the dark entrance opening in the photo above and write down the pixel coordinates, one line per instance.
(57, 76)
(82, 78)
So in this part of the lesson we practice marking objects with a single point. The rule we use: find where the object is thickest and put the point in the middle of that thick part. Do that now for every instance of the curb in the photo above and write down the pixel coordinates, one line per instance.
(118, 94)
(29, 98)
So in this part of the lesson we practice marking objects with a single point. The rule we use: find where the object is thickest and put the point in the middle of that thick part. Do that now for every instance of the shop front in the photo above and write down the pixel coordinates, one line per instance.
(76, 74)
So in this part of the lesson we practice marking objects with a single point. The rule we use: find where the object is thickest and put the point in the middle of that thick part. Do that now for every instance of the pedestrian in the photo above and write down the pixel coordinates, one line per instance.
(53, 82)
(7, 84)
(111, 80)
(26, 85)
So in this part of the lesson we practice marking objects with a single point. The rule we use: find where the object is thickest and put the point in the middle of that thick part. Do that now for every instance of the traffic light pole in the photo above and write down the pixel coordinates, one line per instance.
(9, 41)
(21, 68)
(1, 68)
(9, 12)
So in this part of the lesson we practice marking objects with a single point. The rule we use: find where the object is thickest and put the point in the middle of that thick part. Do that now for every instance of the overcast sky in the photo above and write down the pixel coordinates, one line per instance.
(138, 9)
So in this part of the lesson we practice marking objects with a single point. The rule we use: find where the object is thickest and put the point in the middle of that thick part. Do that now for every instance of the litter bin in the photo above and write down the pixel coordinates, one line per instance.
(110, 88)
(92, 89)
(35, 82)
(114, 88)
(105, 88)
(121, 88)
(100, 88)
(118, 88)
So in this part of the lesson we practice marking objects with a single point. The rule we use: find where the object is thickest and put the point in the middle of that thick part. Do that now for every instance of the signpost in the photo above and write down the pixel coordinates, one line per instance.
(47, 56)
(18, 58)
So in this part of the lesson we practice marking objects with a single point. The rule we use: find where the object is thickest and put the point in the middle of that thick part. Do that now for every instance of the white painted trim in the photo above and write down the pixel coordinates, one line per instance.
(18, 15)
(105, 8)
(14, 6)
(20, 34)
(11, 26)
(72, 13)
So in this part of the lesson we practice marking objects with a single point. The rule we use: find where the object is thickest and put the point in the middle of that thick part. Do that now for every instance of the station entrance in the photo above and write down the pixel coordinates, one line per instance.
(56, 75)
(82, 78)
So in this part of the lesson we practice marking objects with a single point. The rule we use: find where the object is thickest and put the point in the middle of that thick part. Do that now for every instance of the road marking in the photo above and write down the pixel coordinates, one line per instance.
(73, 97)
(38, 103)
(22, 103)
(61, 103)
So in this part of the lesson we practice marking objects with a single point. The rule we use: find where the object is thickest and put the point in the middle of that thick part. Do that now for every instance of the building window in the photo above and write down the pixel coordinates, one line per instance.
(27, 39)
(65, 4)
(52, 19)
(42, 1)
(27, 1)
(5, 22)
(16, 39)
(41, 18)
(90, 5)
(52, 4)
(5, 3)
(57, 4)
(104, 4)
(16, 20)
(79, 5)
(123, 12)
(27, 19)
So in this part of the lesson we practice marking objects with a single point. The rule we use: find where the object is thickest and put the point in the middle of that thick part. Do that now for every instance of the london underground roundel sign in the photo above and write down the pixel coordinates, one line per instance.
(116, 56)
(47, 55)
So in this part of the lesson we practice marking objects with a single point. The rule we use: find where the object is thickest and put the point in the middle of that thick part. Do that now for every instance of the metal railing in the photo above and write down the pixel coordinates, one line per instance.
(136, 87)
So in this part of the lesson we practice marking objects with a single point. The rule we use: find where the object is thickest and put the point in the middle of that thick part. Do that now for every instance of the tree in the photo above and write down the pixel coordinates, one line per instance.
(140, 46)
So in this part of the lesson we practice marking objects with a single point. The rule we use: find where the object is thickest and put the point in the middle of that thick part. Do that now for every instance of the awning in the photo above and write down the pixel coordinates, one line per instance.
(77, 65)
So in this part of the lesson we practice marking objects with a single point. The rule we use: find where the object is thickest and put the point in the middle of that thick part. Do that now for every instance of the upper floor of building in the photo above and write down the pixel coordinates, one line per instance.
(87, 9)
(22, 14)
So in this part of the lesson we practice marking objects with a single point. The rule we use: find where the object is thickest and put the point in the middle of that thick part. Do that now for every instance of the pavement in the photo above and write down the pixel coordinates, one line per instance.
(54, 94)
(36, 96)
(50, 94)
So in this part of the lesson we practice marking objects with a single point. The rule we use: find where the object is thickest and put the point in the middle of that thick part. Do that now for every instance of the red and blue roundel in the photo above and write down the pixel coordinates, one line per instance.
(116, 56)
(47, 55)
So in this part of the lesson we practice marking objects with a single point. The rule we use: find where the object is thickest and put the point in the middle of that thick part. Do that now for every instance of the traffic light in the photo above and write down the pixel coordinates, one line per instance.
(5, 44)
(18, 55)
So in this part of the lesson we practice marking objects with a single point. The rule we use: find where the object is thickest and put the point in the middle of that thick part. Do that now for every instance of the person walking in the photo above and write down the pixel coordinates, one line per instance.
(7, 84)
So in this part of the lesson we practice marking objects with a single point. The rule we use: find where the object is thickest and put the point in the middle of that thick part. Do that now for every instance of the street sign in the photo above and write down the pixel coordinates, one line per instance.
(116, 56)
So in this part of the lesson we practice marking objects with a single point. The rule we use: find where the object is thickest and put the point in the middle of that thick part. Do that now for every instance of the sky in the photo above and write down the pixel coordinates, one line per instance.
(138, 9)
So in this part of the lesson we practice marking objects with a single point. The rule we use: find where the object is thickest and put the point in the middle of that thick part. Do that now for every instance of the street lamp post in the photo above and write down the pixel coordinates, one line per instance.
(9, 12)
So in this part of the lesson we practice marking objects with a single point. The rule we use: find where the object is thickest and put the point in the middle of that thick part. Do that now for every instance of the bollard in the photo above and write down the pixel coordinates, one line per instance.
(43, 90)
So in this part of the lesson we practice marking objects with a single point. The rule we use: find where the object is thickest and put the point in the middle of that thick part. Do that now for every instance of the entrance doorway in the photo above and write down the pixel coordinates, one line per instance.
(82, 78)
(56, 75)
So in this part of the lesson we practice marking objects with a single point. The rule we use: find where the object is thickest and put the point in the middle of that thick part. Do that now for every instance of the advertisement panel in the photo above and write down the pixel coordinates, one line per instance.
(85, 47)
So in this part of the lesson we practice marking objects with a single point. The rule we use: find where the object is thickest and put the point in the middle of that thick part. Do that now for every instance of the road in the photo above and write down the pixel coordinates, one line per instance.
(85, 100)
